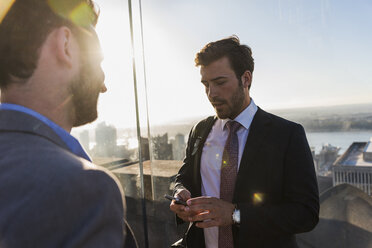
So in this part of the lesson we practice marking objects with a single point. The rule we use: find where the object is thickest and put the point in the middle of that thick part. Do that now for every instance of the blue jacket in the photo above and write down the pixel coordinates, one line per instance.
(50, 197)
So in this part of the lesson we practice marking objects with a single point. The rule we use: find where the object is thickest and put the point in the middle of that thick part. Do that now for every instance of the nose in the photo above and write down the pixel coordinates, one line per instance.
(211, 91)
(103, 88)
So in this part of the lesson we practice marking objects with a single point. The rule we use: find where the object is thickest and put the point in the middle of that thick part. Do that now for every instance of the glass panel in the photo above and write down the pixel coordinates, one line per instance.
(312, 66)
(112, 139)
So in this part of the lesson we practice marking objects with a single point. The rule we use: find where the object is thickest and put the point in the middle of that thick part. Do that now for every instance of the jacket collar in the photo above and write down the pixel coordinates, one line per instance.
(15, 121)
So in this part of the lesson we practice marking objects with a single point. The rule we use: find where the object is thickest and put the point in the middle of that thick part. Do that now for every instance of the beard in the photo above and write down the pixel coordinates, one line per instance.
(233, 106)
(85, 90)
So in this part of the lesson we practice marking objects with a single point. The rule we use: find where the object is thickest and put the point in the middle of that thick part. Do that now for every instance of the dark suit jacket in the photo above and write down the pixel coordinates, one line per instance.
(48, 196)
(276, 189)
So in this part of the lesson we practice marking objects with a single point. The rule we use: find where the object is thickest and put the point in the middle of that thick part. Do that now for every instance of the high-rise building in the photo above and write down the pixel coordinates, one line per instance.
(325, 159)
(105, 140)
(178, 147)
(84, 139)
(161, 148)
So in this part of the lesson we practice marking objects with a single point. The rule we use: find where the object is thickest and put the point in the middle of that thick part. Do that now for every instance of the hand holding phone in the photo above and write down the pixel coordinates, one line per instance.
(176, 200)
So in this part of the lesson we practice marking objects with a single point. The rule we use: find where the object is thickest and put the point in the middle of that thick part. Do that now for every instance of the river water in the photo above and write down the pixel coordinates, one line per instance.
(340, 139)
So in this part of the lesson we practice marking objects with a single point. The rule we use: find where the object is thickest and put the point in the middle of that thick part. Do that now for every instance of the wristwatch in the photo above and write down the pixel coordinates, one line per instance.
(236, 216)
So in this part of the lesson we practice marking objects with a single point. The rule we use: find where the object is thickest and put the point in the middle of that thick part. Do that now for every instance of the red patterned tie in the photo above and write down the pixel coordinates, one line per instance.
(229, 170)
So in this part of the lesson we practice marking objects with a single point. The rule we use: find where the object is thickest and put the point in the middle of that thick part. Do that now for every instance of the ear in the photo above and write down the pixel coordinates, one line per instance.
(66, 47)
(246, 79)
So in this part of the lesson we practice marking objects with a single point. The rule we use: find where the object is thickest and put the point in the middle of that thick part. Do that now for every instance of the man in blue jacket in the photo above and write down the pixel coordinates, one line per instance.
(51, 195)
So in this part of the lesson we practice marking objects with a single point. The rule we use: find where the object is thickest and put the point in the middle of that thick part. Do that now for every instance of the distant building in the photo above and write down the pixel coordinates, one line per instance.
(355, 167)
(84, 139)
(178, 147)
(325, 159)
(105, 140)
(367, 154)
(162, 150)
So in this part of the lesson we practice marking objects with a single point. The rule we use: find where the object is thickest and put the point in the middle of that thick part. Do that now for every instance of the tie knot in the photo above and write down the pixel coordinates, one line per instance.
(233, 126)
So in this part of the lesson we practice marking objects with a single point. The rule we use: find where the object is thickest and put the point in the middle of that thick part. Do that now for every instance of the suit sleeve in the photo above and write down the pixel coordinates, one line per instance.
(298, 211)
(92, 205)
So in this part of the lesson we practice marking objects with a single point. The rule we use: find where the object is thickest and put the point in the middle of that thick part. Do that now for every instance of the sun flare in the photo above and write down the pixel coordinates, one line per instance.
(5, 6)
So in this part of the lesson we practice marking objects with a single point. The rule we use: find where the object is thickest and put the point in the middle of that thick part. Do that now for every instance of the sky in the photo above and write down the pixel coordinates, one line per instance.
(307, 53)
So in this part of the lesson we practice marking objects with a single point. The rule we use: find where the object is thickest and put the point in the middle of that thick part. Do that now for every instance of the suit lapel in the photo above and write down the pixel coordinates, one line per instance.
(254, 144)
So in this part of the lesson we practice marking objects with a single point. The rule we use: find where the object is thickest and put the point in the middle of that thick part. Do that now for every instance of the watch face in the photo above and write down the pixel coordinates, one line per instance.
(236, 216)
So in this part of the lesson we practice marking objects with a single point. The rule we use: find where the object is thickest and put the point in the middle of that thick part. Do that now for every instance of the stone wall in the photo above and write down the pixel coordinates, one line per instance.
(161, 225)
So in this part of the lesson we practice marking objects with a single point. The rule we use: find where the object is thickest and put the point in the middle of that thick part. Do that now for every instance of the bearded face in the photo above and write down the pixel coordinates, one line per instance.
(224, 89)
(88, 84)
(231, 106)
(85, 90)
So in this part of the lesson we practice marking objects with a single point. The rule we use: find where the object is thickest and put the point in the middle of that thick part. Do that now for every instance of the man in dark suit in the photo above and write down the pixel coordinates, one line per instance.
(248, 176)
(51, 195)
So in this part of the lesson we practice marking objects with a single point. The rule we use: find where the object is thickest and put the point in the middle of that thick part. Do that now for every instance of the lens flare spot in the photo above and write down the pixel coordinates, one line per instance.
(5, 6)
(82, 15)
(79, 13)
(258, 198)
(224, 164)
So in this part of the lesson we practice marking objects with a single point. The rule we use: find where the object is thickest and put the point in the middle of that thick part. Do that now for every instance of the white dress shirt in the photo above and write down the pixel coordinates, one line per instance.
(210, 167)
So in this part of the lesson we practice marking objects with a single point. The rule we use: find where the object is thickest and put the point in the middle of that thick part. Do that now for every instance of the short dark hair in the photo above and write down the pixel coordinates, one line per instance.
(27, 24)
(240, 56)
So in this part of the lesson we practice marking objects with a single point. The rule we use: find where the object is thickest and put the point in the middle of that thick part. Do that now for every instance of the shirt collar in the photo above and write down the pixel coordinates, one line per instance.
(72, 143)
(245, 118)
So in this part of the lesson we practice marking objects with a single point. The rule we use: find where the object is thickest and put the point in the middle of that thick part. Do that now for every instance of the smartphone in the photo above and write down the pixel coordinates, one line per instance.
(177, 200)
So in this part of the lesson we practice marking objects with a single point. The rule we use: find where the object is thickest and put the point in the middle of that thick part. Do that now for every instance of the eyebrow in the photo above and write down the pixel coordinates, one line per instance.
(214, 79)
